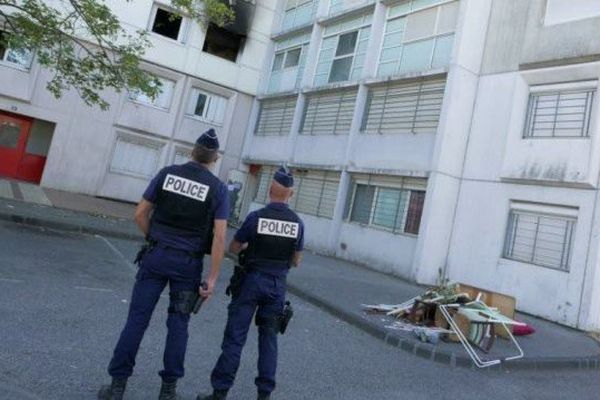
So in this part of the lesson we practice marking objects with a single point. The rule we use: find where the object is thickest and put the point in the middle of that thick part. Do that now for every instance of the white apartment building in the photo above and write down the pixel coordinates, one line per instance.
(209, 79)
(442, 138)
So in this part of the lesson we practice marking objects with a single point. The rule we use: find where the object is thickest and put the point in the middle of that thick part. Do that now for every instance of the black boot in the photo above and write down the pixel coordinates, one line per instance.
(217, 395)
(114, 391)
(264, 395)
(168, 391)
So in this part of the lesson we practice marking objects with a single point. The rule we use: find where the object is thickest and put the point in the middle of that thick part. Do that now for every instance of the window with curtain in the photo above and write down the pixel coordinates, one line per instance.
(387, 203)
(418, 38)
(298, 13)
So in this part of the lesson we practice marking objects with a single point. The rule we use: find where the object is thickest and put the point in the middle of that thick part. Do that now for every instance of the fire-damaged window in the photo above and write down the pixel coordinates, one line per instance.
(168, 23)
(222, 43)
(389, 203)
(228, 41)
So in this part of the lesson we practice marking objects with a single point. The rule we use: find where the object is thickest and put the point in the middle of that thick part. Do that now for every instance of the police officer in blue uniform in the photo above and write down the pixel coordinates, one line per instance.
(183, 214)
(272, 241)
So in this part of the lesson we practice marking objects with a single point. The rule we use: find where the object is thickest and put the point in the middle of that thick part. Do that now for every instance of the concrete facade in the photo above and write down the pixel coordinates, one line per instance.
(477, 164)
(81, 157)
(431, 139)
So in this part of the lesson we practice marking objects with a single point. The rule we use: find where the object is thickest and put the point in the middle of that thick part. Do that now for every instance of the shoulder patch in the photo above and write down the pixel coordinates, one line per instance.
(275, 227)
(185, 187)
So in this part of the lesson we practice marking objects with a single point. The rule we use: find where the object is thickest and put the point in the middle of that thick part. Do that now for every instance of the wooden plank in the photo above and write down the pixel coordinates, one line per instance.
(505, 304)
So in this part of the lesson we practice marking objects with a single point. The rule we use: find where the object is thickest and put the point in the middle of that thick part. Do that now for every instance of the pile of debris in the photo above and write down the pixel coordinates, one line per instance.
(458, 313)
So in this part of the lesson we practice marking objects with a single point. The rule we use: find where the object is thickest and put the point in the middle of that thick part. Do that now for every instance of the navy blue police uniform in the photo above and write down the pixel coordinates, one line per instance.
(187, 199)
(273, 233)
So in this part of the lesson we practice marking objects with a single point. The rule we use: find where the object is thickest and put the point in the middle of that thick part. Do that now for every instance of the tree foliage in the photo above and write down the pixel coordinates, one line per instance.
(84, 45)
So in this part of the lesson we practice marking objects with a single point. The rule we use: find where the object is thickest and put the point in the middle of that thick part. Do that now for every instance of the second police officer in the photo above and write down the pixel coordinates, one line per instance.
(272, 241)
(184, 208)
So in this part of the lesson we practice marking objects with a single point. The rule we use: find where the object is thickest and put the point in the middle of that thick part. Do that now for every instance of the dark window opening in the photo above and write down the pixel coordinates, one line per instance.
(2, 45)
(222, 43)
(167, 24)
(200, 105)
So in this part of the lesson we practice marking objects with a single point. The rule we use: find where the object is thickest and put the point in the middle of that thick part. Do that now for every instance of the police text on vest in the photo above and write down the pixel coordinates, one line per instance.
(276, 227)
(185, 187)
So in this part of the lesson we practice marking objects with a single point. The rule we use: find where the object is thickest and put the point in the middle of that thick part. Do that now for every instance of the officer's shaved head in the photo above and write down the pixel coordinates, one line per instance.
(279, 193)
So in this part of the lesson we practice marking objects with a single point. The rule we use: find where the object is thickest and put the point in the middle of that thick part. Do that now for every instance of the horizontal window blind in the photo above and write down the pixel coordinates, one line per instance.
(539, 239)
(329, 113)
(136, 157)
(276, 115)
(404, 107)
(315, 192)
(559, 114)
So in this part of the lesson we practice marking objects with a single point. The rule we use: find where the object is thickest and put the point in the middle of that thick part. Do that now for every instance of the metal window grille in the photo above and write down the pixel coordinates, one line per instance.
(315, 191)
(539, 239)
(397, 209)
(276, 117)
(559, 114)
(404, 107)
(329, 113)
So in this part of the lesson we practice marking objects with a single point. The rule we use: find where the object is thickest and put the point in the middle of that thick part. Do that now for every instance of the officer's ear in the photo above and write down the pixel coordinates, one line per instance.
(291, 194)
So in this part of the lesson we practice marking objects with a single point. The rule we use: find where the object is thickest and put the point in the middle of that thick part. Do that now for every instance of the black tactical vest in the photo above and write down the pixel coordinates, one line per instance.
(185, 204)
(277, 235)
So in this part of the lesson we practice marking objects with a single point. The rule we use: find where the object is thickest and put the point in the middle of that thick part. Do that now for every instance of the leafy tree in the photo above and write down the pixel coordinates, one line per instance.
(84, 45)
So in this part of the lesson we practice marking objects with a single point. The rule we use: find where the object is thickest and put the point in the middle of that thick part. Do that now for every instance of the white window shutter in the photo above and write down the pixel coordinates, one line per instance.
(404, 107)
(276, 116)
(329, 113)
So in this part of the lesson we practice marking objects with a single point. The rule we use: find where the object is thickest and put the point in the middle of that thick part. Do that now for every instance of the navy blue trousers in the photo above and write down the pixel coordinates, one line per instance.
(265, 295)
(158, 268)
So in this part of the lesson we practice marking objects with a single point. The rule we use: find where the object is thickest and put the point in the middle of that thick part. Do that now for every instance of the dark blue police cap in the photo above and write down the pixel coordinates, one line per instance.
(209, 140)
(284, 177)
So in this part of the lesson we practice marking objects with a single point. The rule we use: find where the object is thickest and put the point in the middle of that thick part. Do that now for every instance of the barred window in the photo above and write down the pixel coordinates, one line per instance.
(276, 115)
(390, 203)
(315, 191)
(329, 113)
(540, 239)
(404, 107)
(559, 114)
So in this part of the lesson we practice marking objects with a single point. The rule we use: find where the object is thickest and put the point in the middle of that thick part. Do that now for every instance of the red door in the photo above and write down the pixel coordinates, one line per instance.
(14, 162)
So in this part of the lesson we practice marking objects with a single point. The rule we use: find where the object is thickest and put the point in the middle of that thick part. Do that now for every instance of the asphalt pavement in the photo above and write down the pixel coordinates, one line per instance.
(64, 298)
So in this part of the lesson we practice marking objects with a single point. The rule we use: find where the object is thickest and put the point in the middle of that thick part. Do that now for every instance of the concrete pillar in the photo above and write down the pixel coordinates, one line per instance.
(443, 189)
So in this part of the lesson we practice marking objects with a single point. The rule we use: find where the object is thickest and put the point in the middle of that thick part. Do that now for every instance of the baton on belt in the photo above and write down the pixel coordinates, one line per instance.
(200, 299)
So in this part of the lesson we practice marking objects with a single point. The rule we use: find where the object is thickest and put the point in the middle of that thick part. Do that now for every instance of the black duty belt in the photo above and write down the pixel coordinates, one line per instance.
(193, 254)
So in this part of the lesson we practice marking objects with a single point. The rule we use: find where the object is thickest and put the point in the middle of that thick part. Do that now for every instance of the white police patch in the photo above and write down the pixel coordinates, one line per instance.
(185, 187)
(275, 227)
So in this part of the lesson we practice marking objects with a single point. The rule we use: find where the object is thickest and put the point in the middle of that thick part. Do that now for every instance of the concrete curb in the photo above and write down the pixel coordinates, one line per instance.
(68, 226)
(419, 349)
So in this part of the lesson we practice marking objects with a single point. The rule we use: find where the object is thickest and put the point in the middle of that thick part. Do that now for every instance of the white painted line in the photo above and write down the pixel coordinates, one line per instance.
(118, 253)
(93, 289)
(34, 194)
(6, 190)
(11, 280)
